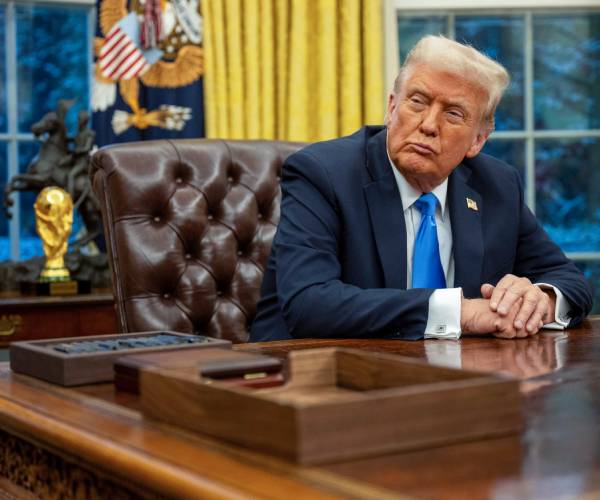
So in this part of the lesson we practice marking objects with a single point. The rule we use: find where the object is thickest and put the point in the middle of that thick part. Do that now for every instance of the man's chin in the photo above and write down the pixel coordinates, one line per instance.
(420, 175)
(416, 165)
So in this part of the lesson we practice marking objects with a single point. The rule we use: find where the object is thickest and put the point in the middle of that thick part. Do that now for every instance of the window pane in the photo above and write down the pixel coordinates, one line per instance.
(3, 110)
(4, 241)
(501, 38)
(29, 245)
(411, 29)
(591, 270)
(509, 150)
(52, 50)
(567, 71)
(568, 192)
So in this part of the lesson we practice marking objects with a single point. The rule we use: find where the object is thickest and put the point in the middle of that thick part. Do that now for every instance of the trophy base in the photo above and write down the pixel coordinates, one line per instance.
(55, 274)
(51, 288)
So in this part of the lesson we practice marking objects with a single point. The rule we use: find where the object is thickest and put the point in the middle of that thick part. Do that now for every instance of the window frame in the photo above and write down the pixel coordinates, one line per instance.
(12, 137)
(525, 8)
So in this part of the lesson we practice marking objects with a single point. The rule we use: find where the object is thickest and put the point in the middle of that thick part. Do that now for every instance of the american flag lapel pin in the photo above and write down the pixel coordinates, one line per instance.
(472, 204)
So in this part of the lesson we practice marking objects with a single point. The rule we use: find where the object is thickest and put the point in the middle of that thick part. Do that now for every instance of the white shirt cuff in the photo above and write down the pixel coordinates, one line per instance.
(443, 321)
(561, 311)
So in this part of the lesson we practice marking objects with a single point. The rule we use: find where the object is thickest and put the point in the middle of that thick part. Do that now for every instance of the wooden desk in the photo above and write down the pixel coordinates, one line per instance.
(93, 442)
(30, 318)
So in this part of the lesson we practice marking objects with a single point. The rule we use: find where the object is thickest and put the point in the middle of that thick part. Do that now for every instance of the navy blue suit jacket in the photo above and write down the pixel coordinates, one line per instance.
(338, 263)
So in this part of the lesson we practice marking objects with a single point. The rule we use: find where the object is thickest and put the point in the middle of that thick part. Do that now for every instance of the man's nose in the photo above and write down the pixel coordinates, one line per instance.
(430, 122)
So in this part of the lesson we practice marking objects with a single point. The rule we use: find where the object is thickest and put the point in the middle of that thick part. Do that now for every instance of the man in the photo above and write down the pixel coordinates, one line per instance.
(406, 231)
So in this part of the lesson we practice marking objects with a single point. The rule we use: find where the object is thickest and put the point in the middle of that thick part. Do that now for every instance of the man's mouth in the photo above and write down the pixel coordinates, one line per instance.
(419, 147)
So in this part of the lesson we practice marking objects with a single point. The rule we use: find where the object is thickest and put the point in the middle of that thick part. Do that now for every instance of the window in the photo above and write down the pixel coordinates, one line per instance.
(46, 56)
(548, 124)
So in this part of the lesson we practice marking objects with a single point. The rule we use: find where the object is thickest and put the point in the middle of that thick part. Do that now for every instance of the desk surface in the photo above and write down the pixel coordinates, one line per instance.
(557, 454)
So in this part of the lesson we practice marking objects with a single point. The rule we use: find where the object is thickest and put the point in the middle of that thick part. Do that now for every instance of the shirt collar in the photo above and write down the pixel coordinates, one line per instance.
(409, 194)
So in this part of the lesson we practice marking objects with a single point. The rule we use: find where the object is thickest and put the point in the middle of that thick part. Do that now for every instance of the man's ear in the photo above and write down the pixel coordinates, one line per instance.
(478, 142)
(391, 106)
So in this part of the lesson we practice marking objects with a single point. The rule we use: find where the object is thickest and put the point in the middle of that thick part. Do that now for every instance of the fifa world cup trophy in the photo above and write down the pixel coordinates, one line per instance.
(53, 221)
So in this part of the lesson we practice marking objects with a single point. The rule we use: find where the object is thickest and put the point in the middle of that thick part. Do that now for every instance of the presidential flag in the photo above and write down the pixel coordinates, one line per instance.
(148, 71)
(121, 58)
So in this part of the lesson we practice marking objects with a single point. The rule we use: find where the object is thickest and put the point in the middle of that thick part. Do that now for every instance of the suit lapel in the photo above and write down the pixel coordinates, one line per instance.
(386, 213)
(467, 233)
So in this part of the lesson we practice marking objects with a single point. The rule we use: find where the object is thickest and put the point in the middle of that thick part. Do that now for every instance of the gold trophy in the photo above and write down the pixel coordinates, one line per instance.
(53, 222)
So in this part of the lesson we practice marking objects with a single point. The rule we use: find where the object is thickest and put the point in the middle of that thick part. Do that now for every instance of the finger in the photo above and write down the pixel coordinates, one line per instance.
(518, 288)
(533, 325)
(537, 318)
(533, 303)
(521, 333)
(548, 317)
(487, 290)
(499, 290)
(536, 330)
(511, 297)
(505, 325)
(501, 331)
(503, 328)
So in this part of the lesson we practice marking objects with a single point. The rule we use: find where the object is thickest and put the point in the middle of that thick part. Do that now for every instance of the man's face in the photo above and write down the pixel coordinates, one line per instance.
(433, 123)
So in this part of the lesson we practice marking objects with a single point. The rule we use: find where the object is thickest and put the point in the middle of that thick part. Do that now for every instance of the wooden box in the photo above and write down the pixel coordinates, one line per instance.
(38, 358)
(237, 367)
(340, 404)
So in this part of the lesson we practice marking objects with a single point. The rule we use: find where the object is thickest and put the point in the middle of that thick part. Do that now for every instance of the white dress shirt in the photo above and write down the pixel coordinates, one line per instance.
(443, 320)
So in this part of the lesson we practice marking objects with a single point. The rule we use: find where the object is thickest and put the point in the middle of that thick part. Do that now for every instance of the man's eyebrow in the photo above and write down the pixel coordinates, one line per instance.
(458, 102)
(418, 89)
(461, 103)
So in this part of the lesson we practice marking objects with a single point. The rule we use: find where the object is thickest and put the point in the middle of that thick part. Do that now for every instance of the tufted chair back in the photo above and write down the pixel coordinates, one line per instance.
(189, 226)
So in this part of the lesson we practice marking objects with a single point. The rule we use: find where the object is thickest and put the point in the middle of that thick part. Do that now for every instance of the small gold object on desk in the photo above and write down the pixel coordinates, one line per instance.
(53, 222)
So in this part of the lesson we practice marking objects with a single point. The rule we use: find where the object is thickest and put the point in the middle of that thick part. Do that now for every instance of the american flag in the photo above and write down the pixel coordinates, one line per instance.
(121, 57)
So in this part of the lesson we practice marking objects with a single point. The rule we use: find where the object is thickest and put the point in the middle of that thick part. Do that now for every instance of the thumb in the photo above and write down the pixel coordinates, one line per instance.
(487, 290)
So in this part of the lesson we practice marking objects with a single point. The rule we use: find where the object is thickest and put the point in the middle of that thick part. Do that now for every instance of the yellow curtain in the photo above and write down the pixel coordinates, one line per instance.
(302, 70)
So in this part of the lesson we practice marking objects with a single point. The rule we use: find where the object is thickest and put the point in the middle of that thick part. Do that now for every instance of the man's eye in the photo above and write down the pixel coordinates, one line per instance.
(455, 114)
(417, 100)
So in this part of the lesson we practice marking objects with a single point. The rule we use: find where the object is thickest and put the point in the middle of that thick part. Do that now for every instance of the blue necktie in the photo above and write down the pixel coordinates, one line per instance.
(427, 266)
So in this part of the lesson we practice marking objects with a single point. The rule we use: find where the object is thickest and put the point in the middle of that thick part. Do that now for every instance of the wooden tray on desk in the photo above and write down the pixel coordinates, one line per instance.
(239, 367)
(40, 359)
(339, 404)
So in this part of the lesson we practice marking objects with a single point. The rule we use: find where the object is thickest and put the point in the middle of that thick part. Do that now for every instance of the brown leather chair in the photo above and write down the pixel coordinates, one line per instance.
(188, 227)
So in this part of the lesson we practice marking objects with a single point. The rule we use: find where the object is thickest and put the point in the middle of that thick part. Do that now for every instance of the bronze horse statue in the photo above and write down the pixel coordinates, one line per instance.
(57, 164)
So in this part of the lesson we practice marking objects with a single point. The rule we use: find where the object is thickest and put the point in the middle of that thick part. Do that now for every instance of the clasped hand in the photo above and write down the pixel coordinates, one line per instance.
(515, 307)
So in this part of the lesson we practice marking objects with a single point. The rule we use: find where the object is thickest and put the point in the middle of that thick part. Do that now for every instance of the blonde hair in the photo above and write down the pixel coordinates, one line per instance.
(442, 53)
